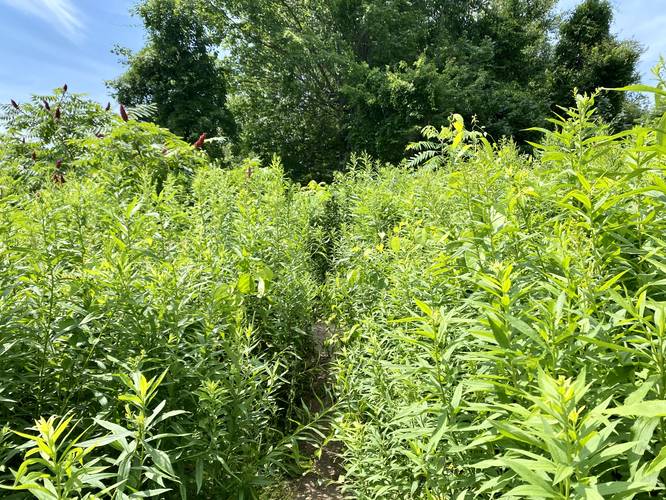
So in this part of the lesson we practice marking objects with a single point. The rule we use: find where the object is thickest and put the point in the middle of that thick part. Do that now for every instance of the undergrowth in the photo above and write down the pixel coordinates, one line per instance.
(501, 318)
(498, 319)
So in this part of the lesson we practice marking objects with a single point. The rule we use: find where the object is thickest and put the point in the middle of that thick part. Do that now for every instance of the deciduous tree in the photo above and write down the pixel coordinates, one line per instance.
(178, 70)
(588, 56)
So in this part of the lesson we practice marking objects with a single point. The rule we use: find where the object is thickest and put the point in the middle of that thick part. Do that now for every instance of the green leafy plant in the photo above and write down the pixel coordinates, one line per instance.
(489, 325)
(58, 466)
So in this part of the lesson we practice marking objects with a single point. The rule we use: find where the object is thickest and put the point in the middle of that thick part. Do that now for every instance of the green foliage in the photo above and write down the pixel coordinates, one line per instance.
(39, 133)
(65, 468)
(531, 362)
(146, 258)
(588, 56)
(316, 81)
(177, 72)
(452, 141)
(46, 137)
(498, 319)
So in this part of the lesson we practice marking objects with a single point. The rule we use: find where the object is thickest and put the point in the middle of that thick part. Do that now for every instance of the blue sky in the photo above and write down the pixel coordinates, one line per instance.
(45, 43)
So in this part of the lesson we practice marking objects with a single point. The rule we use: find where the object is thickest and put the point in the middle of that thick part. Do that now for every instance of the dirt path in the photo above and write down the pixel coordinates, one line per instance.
(320, 482)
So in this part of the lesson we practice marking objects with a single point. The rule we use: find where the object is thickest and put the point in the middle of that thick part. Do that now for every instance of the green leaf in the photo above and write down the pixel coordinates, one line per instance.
(563, 472)
(425, 308)
(514, 432)
(609, 453)
(104, 440)
(498, 332)
(653, 408)
(661, 131)
(612, 281)
(531, 491)
(160, 459)
(640, 88)
(658, 463)
(442, 427)
(150, 493)
(245, 284)
(198, 474)
(529, 476)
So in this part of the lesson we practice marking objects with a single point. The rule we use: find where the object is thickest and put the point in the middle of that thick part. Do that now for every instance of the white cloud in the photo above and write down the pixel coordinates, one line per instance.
(62, 14)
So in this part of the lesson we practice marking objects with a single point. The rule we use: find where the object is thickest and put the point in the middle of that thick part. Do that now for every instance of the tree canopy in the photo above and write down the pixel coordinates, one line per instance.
(318, 80)
(315, 80)
(178, 70)
(588, 56)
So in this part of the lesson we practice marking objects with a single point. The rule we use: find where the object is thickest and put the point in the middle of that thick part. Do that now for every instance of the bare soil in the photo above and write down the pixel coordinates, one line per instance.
(320, 482)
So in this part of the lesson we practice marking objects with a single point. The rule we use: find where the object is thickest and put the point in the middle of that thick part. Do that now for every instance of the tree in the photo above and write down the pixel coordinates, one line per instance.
(314, 80)
(288, 68)
(178, 71)
(588, 56)
(479, 59)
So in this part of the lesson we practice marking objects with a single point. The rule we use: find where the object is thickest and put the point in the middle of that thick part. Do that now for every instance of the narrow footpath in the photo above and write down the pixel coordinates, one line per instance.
(321, 482)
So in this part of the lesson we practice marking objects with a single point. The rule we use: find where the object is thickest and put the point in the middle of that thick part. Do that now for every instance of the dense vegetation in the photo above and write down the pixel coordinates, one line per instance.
(134, 257)
(317, 80)
(472, 305)
(497, 319)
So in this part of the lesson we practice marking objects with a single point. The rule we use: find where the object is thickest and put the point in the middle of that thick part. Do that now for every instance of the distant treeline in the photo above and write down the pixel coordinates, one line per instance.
(316, 80)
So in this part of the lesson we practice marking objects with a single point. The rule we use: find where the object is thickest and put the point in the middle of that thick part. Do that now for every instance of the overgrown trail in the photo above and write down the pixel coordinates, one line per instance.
(320, 481)
(482, 307)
